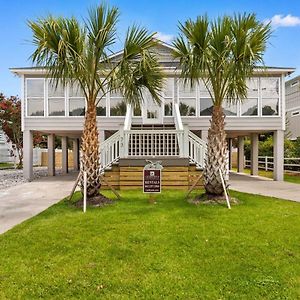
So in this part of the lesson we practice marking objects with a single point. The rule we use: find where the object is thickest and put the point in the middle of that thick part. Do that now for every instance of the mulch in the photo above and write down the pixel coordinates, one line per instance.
(97, 201)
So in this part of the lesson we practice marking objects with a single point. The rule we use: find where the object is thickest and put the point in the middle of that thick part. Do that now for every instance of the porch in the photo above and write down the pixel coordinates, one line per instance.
(134, 141)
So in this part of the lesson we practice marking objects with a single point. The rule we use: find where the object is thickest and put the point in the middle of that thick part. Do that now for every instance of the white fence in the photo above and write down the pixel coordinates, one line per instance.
(267, 163)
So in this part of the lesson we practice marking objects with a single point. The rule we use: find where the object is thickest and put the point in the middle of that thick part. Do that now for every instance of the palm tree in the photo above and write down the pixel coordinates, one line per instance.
(222, 53)
(75, 53)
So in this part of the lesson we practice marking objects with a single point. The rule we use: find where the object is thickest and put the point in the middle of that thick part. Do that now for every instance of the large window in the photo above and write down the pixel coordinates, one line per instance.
(270, 96)
(101, 105)
(35, 97)
(230, 109)
(76, 101)
(56, 99)
(206, 107)
(206, 104)
(249, 106)
(117, 104)
(168, 94)
(187, 99)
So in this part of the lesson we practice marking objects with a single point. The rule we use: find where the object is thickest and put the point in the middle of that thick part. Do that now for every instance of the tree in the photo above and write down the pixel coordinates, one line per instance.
(73, 53)
(10, 123)
(223, 53)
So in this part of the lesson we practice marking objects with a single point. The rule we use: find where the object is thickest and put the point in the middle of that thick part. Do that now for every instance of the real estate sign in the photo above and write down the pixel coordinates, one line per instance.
(152, 181)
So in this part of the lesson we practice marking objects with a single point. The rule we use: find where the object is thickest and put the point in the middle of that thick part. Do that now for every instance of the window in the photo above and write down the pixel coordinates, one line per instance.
(76, 101)
(270, 96)
(35, 97)
(206, 107)
(56, 99)
(295, 113)
(294, 83)
(249, 107)
(101, 105)
(168, 93)
(229, 109)
(118, 106)
(187, 99)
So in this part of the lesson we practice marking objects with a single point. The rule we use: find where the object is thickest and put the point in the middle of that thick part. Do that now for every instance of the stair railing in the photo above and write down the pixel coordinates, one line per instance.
(110, 151)
(197, 150)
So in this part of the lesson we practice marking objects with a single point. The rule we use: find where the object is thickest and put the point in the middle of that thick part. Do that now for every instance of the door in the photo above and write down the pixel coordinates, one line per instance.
(151, 111)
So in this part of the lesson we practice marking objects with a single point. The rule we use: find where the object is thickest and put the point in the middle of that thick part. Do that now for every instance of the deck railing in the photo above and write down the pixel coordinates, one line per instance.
(152, 143)
(267, 163)
(197, 149)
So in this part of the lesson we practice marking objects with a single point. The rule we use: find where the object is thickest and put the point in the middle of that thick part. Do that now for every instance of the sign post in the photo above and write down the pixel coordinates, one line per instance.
(152, 179)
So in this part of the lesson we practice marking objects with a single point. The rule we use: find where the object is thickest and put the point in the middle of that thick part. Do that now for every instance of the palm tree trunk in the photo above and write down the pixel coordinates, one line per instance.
(90, 152)
(216, 153)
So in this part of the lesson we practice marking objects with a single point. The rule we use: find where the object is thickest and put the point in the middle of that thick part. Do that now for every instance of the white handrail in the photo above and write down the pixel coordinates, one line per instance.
(177, 117)
(197, 150)
(110, 151)
(128, 117)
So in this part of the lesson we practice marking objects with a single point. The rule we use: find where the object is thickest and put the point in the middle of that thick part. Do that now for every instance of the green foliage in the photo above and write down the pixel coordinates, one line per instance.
(170, 250)
(222, 52)
(73, 51)
(10, 123)
(265, 147)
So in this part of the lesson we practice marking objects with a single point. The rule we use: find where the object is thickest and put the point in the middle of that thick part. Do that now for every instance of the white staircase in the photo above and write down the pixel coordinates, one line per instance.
(150, 141)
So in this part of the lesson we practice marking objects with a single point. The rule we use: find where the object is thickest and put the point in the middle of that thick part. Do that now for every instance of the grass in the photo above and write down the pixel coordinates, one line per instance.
(6, 165)
(289, 177)
(168, 250)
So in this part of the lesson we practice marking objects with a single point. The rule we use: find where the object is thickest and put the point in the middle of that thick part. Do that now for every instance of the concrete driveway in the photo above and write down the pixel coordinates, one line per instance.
(21, 202)
(264, 186)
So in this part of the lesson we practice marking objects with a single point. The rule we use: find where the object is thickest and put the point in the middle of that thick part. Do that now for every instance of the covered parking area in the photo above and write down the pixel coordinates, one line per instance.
(66, 138)
(278, 151)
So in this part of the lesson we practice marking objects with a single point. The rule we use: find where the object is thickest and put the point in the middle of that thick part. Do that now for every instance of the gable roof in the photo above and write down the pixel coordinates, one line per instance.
(164, 52)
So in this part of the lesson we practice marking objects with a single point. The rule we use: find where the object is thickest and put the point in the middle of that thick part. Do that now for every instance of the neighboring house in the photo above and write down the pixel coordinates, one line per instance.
(5, 149)
(176, 131)
(292, 94)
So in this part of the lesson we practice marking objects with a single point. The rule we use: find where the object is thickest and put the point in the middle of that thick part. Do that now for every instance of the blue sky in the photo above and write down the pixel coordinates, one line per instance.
(160, 16)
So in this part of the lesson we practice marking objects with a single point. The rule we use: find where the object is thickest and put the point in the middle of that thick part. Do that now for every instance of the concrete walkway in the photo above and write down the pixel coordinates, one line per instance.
(21, 202)
(264, 186)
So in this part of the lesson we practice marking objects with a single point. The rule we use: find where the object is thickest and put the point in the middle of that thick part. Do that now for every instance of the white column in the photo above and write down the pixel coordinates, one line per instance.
(278, 140)
(76, 154)
(241, 158)
(64, 157)
(254, 154)
(229, 141)
(51, 155)
(28, 155)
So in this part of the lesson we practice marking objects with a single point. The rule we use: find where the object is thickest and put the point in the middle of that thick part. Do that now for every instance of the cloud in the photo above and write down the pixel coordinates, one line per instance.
(167, 38)
(284, 21)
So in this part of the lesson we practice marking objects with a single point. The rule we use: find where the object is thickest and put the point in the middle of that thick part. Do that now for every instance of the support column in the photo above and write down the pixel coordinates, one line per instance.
(76, 154)
(278, 146)
(254, 154)
(28, 155)
(241, 155)
(229, 142)
(51, 155)
(64, 154)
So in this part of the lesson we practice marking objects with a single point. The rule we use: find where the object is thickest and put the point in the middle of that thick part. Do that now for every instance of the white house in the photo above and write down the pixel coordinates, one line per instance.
(292, 88)
(176, 130)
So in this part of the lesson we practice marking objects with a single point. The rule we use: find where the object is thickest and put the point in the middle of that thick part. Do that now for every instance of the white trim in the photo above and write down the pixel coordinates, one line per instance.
(22, 102)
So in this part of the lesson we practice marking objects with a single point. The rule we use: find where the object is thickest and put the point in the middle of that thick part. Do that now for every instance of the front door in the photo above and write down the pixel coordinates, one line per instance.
(151, 111)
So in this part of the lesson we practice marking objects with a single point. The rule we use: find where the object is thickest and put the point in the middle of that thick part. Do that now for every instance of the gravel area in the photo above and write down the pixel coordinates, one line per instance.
(12, 177)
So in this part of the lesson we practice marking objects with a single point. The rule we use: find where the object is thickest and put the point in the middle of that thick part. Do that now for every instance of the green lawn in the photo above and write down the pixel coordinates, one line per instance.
(168, 250)
(289, 177)
(6, 165)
